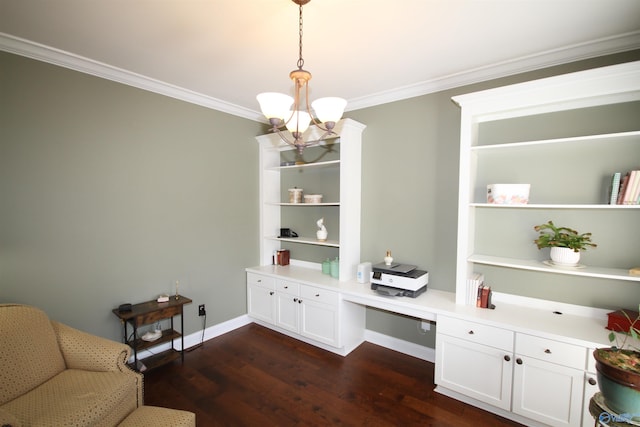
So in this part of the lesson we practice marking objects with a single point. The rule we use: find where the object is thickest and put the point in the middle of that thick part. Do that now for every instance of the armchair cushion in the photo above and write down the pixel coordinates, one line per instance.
(29, 351)
(75, 397)
(52, 374)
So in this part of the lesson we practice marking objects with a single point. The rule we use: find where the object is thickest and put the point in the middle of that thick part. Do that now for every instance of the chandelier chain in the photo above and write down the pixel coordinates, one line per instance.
(300, 60)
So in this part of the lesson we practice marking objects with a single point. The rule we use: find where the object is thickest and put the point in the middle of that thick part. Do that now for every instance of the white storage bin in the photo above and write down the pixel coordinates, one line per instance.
(508, 194)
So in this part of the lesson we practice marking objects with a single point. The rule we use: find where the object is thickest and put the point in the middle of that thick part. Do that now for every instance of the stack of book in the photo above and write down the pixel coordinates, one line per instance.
(625, 188)
(478, 294)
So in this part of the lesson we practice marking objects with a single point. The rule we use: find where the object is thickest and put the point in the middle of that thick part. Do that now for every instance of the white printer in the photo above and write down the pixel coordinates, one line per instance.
(398, 280)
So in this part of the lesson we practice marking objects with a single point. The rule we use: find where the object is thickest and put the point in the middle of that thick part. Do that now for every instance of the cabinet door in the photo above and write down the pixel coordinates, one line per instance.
(319, 322)
(287, 309)
(547, 392)
(261, 303)
(475, 370)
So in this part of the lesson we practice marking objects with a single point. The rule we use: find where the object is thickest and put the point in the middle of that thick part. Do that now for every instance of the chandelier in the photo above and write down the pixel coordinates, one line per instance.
(294, 113)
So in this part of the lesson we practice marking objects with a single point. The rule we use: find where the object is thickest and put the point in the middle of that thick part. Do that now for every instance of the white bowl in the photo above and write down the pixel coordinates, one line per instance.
(313, 198)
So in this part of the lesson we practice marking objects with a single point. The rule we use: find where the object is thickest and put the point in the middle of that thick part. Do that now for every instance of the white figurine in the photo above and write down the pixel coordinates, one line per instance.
(321, 234)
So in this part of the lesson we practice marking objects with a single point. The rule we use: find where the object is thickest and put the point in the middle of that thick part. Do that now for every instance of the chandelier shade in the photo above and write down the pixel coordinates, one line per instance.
(329, 109)
(294, 113)
(275, 105)
(299, 122)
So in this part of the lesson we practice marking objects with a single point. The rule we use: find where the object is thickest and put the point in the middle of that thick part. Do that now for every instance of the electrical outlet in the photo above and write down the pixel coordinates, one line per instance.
(201, 310)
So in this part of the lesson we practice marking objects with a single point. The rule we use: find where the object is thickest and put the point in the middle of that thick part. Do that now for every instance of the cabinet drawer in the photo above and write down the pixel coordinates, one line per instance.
(260, 280)
(552, 351)
(154, 316)
(291, 288)
(476, 332)
(310, 293)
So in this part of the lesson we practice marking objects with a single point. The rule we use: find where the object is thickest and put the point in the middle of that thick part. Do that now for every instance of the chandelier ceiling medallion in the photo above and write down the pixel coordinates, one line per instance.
(294, 113)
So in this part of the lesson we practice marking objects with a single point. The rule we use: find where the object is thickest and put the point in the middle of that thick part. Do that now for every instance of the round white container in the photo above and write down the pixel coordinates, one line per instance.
(295, 195)
(313, 198)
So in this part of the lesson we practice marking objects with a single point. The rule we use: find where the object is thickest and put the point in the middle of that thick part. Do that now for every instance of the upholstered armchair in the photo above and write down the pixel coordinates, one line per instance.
(54, 375)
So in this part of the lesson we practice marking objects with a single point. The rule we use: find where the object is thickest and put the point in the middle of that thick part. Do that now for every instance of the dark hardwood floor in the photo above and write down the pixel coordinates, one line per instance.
(253, 376)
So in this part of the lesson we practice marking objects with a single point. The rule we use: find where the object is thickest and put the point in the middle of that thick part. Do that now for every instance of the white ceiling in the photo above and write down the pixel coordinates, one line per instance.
(221, 53)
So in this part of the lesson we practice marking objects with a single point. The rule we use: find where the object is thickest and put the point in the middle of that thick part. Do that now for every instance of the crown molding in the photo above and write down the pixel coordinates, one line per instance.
(577, 52)
(605, 46)
(74, 62)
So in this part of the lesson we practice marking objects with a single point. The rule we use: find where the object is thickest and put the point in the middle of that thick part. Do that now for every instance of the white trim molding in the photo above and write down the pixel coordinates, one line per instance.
(40, 52)
(605, 46)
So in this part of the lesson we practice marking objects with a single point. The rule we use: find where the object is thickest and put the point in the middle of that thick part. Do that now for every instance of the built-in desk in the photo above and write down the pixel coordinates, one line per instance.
(538, 351)
(577, 325)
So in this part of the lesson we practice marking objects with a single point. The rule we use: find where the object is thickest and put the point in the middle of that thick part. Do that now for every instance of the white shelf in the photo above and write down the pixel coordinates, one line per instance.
(535, 265)
(342, 201)
(300, 205)
(632, 137)
(316, 165)
(553, 206)
(306, 241)
(603, 151)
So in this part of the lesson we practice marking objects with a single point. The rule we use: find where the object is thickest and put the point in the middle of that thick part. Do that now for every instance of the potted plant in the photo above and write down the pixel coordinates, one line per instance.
(565, 243)
(618, 368)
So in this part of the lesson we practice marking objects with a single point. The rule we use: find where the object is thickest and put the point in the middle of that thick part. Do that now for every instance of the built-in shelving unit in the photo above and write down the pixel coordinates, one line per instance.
(585, 159)
(341, 203)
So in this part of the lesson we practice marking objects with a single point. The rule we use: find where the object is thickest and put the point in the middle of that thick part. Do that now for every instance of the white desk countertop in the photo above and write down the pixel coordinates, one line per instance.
(583, 330)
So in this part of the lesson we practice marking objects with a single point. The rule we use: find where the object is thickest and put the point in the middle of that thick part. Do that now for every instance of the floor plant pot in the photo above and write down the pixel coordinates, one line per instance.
(620, 387)
(564, 256)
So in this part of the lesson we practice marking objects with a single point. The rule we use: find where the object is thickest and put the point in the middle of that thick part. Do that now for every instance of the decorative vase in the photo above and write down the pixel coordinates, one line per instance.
(321, 235)
(335, 268)
(326, 266)
(565, 256)
(388, 259)
(620, 388)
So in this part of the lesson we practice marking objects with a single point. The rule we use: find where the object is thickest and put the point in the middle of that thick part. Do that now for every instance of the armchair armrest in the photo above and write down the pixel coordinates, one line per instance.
(85, 351)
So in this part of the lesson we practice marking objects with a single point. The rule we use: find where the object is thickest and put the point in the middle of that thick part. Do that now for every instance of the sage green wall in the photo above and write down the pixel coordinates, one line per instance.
(108, 194)
(410, 189)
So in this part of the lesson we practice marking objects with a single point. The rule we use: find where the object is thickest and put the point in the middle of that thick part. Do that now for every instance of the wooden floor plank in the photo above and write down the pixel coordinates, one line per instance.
(253, 376)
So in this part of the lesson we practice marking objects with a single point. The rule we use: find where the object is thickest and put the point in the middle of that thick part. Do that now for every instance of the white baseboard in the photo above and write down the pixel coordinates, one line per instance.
(392, 343)
(198, 337)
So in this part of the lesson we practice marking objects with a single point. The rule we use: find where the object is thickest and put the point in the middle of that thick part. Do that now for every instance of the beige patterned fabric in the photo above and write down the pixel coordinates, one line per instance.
(159, 417)
(77, 398)
(29, 353)
(54, 375)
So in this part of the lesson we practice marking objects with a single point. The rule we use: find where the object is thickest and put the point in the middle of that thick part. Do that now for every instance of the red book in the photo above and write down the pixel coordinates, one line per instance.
(484, 300)
(479, 298)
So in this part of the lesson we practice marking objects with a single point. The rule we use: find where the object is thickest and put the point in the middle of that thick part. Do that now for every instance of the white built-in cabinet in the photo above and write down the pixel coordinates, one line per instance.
(313, 313)
(568, 174)
(548, 380)
(535, 377)
(475, 360)
(336, 175)
(531, 378)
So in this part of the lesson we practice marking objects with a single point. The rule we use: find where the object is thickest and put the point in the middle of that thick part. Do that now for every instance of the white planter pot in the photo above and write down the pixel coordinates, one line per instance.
(565, 256)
